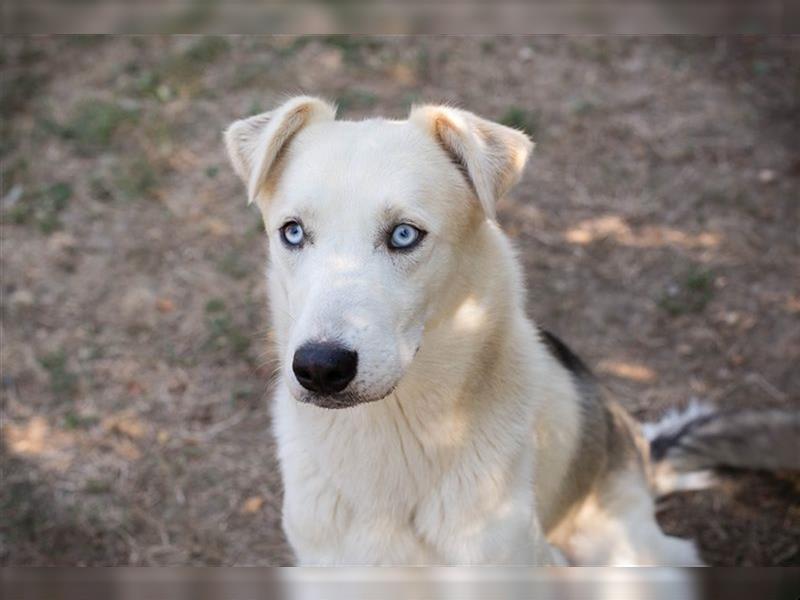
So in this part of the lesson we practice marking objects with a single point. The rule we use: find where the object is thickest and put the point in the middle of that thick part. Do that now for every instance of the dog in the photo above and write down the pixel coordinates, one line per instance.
(421, 417)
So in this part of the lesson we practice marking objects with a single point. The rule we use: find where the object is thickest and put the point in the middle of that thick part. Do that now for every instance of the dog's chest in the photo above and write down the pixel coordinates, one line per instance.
(381, 457)
(354, 485)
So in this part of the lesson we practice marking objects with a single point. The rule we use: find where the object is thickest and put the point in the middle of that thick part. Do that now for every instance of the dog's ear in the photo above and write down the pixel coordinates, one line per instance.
(491, 156)
(256, 144)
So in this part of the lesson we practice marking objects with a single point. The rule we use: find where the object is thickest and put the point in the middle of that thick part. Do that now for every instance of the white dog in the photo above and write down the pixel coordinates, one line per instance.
(421, 417)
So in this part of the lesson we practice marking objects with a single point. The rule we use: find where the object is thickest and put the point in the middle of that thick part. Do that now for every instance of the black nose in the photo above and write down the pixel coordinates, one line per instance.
(324, 367)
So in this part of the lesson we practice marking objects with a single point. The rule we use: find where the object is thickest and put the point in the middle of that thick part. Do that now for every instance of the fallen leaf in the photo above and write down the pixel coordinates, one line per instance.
(216, 227)
(124, 424)
(134, 388)
(252, 505)
(165, 305)
(127, 450)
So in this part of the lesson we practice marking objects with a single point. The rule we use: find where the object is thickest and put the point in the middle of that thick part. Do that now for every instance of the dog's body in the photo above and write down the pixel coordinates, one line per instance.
(467, 435)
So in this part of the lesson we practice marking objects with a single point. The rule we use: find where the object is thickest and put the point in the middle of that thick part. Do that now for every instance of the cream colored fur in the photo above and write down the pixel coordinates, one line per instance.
(462, 423)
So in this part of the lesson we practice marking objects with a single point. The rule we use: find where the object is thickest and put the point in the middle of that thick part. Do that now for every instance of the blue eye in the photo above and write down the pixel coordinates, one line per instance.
(405, 237)
(293, 234)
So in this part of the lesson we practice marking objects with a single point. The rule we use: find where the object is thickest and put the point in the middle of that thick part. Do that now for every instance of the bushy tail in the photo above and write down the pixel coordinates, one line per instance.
(686, 447)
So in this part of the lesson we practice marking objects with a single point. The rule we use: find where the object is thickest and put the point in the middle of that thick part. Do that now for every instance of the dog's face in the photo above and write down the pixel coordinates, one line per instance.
(361, 225)
(365, 223)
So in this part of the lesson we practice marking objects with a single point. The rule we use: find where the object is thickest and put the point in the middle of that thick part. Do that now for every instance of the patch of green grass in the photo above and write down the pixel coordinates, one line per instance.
(225, 334)
(215, 305)
(761, 67)
(54, 201)
(255, 108)
(212, 171)
(97, 486)
(46, 126)
(146, 83)
(488, 46)
(699, 281)
(19, 214)
(233, 266)
(207, 49)
(73, 420)
(692, 295)
(94, 123)
(63, 382)
(43, 208)
(522, 119)
(135, 179)
(581, 106)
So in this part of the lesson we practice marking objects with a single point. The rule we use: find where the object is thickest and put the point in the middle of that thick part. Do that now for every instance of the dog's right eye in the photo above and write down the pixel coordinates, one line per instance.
(292, 234)
(404, 237)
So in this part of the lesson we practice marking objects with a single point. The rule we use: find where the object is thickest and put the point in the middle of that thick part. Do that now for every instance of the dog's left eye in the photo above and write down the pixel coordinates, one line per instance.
(405, 237)
(293, 234)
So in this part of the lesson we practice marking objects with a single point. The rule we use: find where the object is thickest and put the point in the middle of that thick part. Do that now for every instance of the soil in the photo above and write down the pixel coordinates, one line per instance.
(658, 224)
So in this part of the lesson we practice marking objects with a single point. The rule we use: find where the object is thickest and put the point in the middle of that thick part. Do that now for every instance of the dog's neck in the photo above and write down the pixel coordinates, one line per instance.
(478, 344)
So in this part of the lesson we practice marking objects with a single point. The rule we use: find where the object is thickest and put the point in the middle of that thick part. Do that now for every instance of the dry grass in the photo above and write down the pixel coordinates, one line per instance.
(658, 225)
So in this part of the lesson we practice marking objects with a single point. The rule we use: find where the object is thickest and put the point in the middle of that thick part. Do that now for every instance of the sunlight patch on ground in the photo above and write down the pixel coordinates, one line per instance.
(627, 370)
(35, 438)
(615, 228)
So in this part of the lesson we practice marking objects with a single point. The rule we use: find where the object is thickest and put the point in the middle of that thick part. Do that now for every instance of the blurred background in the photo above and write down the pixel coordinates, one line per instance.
(658, 223)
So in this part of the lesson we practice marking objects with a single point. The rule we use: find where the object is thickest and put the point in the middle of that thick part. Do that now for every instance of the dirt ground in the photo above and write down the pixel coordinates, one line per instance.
(659, 226)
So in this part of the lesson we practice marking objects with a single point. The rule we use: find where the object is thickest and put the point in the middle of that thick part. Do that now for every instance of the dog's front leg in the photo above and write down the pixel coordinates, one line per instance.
(508, 535)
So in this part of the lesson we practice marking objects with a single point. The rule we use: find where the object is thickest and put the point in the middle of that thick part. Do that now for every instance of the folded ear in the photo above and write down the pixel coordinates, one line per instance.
(256, 144)
(491, 156)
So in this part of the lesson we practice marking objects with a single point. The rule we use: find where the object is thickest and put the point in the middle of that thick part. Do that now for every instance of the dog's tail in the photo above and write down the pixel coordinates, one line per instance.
(687, 447)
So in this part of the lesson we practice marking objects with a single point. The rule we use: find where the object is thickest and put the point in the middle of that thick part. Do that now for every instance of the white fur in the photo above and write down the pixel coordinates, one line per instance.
(675, 419)
(463, 424)
(665, 477)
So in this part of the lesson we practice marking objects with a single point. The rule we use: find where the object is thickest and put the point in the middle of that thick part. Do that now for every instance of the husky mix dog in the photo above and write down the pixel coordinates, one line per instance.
(421, 417)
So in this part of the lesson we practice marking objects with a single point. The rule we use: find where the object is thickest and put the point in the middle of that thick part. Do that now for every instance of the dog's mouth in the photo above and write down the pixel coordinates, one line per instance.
(334, 401)
(345, 399)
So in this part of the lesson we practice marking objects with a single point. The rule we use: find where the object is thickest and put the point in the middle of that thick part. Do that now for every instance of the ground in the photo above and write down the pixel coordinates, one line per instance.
(658, 224)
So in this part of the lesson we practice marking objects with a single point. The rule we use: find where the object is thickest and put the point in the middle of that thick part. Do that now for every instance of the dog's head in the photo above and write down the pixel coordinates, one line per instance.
(366, 223)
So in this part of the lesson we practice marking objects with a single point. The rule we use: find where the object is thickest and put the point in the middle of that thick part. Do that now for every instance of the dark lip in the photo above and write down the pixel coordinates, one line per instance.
(342, 400)
(336, 401)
